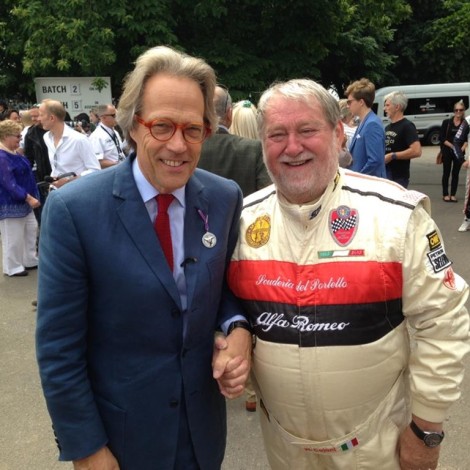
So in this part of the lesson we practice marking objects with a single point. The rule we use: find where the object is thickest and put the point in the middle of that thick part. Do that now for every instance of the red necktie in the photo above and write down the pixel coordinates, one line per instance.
(162, 226)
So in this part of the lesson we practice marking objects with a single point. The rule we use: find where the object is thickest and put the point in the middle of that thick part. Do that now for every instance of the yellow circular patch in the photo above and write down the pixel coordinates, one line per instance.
(257, 234)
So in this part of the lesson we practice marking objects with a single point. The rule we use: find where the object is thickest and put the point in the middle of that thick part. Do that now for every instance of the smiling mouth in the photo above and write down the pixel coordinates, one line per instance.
(299, 163)
(172, 163)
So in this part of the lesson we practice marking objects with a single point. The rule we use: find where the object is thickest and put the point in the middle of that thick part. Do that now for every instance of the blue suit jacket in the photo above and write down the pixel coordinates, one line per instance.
(368, 147)
(113, 360)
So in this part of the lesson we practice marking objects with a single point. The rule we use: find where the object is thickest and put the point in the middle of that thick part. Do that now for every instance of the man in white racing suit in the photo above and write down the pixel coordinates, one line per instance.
(336, 270)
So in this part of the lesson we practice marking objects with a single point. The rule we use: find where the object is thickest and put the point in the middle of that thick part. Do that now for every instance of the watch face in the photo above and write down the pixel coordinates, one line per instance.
(433, 439)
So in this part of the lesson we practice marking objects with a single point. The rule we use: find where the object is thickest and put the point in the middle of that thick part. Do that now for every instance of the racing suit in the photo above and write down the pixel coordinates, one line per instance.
(332, 290)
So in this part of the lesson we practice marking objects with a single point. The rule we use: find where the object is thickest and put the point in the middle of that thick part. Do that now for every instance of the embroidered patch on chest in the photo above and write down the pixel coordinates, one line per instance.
(343, 224)
(258, 233)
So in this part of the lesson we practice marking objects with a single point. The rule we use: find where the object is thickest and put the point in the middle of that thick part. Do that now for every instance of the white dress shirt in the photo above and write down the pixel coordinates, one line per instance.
(73, 153)
(176, 213)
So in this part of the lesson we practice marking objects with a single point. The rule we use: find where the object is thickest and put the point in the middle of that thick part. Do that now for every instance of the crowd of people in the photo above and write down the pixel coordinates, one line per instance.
(192, 249)
(50, 151)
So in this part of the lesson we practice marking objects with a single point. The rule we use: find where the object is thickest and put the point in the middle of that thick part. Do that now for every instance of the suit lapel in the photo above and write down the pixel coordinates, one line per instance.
(133, 215)
(193, 231)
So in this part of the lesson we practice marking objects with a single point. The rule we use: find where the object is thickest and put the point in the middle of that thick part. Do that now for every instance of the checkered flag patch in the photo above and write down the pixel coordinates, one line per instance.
(345, 224)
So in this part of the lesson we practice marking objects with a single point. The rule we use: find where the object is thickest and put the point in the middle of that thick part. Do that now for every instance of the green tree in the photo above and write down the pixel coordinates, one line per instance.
(250, 43)
(82, 38)
(448, 48)
(432, 45)
(11, 51)
(360, 49)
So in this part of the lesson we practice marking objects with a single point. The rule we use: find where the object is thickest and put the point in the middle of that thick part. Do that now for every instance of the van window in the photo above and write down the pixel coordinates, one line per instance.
(442, 104)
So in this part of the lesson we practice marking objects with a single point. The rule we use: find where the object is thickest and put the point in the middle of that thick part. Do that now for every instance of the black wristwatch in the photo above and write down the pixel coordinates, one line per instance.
(430, 438)
(239, 324)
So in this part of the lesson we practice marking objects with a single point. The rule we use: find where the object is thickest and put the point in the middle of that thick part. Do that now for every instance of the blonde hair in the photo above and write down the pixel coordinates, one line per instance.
(344, 110)
(9, 127)
(162, 59)
(244, 120)
(56, 108)
(362, 89)
(26, 118)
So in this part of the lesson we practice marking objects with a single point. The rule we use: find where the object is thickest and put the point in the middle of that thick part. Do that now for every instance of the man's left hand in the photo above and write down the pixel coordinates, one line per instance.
(414, 455)
(231, 362)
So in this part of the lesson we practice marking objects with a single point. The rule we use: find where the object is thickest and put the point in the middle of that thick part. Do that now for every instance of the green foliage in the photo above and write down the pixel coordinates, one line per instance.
(368, 26)
(448, 46)
(64, 37)
(250, 43)
(432, 45)
(99, 83)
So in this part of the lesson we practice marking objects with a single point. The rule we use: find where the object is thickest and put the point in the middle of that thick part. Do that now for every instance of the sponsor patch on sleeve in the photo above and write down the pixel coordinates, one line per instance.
(434, 240)
(437, 256)
(438, 259)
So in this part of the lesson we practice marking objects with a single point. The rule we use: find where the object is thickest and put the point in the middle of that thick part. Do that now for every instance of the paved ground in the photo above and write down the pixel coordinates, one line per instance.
(26, 441)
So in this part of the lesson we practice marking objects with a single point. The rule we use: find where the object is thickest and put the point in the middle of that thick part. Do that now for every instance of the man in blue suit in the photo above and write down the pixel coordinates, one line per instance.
(125, 329)
(368, 144)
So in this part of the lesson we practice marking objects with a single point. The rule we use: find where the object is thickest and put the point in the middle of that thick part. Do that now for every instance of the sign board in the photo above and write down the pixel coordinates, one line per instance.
(76, 93)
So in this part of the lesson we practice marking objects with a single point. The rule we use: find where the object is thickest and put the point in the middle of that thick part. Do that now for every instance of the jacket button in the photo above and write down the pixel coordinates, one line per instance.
(175, 313)
(174, 403)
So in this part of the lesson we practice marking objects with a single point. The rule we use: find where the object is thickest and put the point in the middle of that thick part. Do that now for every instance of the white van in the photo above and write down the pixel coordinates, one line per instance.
(428, 105)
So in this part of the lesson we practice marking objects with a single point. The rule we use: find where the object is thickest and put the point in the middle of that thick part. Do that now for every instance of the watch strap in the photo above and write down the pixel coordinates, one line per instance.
(430, 438)
(239, 324)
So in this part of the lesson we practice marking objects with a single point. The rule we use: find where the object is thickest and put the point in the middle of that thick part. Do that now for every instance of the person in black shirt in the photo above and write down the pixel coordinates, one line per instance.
(36, 151)
(401, 139)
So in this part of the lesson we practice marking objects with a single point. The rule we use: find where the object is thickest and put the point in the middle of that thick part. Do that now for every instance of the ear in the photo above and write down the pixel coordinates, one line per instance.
(133, 132)
(228, 117)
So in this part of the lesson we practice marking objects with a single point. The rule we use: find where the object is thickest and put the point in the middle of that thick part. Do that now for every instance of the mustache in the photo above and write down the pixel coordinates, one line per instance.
(302, 157)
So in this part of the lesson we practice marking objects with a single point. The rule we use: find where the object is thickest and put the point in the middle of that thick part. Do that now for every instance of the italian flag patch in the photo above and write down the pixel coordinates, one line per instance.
(349, 445)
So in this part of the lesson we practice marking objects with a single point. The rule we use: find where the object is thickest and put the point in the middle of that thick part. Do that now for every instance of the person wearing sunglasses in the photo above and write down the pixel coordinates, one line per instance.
(132, 287)
(451, 163)
(18, 197)
(105, 140)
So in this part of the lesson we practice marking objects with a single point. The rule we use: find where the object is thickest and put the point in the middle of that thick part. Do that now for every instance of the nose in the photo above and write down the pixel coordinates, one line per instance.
(177, 144)
(293, 145)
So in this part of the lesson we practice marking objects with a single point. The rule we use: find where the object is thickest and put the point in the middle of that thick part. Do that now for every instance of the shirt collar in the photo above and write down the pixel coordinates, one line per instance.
(109, 129)
(147, 191)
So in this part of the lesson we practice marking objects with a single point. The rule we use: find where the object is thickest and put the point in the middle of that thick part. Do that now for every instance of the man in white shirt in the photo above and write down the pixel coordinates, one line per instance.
(69, 150)
(106, 142)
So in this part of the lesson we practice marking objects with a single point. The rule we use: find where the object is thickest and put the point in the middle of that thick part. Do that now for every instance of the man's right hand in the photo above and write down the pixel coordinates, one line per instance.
(101, 460)
(58, 183)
